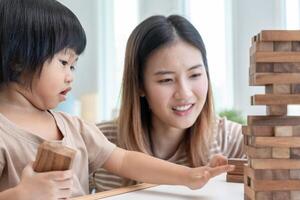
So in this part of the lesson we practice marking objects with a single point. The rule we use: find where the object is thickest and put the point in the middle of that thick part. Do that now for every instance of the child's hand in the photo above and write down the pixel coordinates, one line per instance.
(217, 160)
(199, 176)
(46, 185)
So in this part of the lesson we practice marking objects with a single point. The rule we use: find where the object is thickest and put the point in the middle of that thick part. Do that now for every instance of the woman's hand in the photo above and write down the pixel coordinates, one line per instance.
(199, 176)
(46, 185)
(218, 160)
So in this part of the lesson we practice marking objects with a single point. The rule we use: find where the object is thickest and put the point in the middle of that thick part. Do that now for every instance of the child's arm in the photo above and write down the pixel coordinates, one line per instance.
(141, 167)
(47, 185)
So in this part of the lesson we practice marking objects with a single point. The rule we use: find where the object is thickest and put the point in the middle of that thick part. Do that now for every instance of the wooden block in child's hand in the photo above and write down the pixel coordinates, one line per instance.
(52, 156)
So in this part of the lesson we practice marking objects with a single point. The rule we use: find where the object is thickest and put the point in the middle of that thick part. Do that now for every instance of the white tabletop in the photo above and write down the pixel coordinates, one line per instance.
(216, 189)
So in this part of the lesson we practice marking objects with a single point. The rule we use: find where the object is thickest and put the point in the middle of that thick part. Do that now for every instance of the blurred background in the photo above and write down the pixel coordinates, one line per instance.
(226, 27)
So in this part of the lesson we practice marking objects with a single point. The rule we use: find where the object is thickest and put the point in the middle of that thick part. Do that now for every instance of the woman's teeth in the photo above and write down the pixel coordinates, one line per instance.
(182, 108)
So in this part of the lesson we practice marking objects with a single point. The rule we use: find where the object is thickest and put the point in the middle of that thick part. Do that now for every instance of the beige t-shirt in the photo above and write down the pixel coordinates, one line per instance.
(228, 140)
(18, 147)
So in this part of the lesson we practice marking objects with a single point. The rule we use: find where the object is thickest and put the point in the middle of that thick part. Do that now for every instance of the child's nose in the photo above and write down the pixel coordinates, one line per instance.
(69, 77)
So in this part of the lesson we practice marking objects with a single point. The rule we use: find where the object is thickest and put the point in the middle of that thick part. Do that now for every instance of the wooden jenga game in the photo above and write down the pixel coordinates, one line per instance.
(53, 156)
(272, 142)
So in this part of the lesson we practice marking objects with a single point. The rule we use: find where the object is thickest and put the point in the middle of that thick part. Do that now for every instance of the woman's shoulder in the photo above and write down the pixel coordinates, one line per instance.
(223, 124)
(109, 129)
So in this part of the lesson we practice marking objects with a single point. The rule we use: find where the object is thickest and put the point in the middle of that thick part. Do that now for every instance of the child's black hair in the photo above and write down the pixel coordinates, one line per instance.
(32, 31)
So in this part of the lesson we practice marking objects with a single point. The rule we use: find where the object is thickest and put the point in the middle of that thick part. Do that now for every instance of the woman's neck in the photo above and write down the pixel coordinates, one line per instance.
(165, 139)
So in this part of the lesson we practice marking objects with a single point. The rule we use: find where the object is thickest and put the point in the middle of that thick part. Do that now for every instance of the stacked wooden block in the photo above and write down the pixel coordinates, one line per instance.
(272, 142)
(237, 175)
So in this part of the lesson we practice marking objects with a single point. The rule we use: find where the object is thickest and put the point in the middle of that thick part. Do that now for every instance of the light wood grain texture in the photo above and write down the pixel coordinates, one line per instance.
(280, 142)
(53, 156)
(273, 120)
(280, 152)
(276, 110)
(276, 57)
(279, 35)
(275, 99)
(283, 131)
(275, 78)
(261, 46)
(275, 164)
(255, 152)
(258, 130)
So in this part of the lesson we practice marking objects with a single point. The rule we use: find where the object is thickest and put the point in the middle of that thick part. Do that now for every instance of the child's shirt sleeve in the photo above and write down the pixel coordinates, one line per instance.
(99, 148)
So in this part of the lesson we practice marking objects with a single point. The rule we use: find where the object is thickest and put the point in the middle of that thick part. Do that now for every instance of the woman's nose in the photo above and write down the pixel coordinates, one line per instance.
(183, 91)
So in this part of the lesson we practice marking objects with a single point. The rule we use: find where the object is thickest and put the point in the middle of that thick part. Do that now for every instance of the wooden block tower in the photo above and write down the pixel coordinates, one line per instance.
(272, 142)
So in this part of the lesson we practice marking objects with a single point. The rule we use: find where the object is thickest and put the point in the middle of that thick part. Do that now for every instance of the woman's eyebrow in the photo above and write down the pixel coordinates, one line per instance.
(195, 66)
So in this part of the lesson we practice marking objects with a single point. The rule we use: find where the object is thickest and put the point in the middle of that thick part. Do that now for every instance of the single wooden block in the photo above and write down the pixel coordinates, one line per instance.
(273, 120)
(281, 195)
(282, 46)
(281, 174)
(261, 46)
(281, 142)
(275, 164)
(279, 35)
(296, 46)
(275, 78)
(261, 68)
(255, 152)
(295, 88)
(295, 195)
(234, 178)
(275, 99)
(53, 156)
(295, 153)
(280, 152)
(276, 110)
(276, 57)
(278, 89)
(295, 174)
(286, 67)
(296, 130)
(258, 130)
(283, 131)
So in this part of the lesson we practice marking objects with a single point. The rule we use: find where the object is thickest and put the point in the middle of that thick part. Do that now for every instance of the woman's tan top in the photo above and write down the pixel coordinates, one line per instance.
(228, 141)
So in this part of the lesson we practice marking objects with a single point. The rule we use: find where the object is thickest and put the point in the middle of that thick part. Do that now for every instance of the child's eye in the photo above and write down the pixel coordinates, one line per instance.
(167, 80)
(73, 68)
(63, 62)
(195, 75)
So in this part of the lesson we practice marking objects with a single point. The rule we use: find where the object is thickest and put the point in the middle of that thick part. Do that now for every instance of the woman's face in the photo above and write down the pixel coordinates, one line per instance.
(175, 85)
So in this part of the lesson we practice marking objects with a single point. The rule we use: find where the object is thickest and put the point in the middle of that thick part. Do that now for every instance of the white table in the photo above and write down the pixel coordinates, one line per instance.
(216, 189)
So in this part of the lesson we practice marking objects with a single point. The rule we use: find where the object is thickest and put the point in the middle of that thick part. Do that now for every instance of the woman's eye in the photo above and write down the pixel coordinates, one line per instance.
(168, 80)
(196, 75)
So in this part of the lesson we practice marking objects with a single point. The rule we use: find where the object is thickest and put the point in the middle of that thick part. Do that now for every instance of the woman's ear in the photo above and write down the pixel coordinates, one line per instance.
(142, 93)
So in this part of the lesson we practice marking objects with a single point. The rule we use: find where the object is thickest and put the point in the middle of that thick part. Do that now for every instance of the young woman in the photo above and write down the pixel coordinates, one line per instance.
(167, 105)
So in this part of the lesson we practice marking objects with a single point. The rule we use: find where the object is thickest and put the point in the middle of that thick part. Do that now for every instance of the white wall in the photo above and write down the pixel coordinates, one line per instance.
(249, 18)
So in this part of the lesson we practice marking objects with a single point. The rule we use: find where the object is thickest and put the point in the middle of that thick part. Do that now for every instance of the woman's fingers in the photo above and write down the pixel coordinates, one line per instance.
(215, 171)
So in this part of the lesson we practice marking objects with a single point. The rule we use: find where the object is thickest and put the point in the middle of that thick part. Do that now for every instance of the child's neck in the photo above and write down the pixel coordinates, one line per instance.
(20, 111)
(12, 96)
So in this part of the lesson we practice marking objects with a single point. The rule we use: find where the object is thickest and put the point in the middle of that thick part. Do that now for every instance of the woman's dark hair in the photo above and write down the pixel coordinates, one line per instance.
(152, 34)
(32, 31)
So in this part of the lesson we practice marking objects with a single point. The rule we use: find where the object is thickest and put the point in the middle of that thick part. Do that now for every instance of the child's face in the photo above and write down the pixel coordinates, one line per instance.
(176, 85)
(55, 80)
